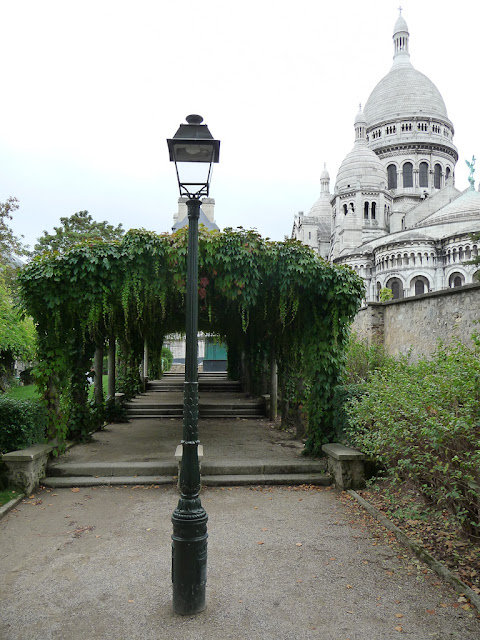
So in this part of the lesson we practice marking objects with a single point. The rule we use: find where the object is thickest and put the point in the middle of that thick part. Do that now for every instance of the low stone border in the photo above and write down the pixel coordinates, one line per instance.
(10, 505)
(346, 465)
(27, 467)
(439, 568)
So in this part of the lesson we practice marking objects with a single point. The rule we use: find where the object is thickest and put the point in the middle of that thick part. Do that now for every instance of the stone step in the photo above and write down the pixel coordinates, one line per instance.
(148, 407)
(210, 386)
(109, 469)
(207, 481)
(164, 468)
(109, 481)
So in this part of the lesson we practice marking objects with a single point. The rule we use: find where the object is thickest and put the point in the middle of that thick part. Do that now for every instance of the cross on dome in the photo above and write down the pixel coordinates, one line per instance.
(400, 9)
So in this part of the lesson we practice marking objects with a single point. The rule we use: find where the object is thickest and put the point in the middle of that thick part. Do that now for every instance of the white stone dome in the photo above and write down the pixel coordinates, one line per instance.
(361, 166)
(400, 25)
(404, 93)
(322, 211)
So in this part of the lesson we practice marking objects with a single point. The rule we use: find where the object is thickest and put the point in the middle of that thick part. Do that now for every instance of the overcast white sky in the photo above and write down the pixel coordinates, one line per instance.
(92, 89)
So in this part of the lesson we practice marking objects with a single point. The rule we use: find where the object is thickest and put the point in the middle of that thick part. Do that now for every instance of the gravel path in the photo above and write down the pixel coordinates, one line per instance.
(283, 564)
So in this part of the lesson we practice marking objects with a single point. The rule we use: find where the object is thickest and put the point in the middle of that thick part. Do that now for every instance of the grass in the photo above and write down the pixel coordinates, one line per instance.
(27, 392)
(30, 392)
(6, 496)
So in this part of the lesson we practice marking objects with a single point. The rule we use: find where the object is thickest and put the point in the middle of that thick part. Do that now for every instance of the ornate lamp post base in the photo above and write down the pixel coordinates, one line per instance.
(189, 559)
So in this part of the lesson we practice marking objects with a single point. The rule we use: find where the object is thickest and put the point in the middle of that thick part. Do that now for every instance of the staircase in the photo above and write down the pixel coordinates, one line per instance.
(214, 474)
(263, 461)
(218, 398)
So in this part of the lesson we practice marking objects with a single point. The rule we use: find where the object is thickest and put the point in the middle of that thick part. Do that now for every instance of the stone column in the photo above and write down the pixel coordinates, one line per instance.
(111, 368)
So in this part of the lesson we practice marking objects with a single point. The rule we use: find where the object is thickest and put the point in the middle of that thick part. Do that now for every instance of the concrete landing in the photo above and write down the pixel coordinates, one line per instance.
(142, 451)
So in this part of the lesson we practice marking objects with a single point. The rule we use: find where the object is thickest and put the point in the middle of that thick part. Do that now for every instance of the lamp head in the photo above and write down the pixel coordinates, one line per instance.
(194, 151)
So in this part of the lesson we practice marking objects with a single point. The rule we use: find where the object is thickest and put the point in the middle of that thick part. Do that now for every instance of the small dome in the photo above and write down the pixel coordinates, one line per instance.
(362, 165)
(360, 117)
(400, 25)
(322, 211)
(324, 175)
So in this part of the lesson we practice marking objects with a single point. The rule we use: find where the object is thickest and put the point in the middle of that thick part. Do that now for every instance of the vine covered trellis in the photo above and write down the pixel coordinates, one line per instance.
(265, 299)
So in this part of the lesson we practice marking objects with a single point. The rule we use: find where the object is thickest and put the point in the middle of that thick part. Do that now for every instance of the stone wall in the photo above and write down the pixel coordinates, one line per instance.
(417, 323)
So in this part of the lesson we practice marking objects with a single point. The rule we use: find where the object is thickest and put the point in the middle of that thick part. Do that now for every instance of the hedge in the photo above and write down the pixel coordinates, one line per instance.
(22, 423)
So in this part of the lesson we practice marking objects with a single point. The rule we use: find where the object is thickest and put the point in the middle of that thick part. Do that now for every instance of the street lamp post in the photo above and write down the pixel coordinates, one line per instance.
(194, 151)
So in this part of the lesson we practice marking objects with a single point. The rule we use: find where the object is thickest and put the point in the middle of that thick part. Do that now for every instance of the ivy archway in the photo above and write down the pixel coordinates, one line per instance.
(265, 299)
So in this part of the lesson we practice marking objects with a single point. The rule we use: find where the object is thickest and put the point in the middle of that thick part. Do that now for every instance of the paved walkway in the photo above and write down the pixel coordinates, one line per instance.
(283, 564)
(155, 439)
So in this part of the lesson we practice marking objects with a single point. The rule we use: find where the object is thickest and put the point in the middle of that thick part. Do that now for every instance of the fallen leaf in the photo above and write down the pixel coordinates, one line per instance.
(131, 600)
(431, 611)
(75, 490)
(349, 586)
(399, 615)
(149, 529)
(299, 544)
(260, 542)
(466, 607)
(399, 628)
(264, 529)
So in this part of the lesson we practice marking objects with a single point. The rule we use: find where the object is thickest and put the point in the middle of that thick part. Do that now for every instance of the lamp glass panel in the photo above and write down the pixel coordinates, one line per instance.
(188, 152)
(193, 173)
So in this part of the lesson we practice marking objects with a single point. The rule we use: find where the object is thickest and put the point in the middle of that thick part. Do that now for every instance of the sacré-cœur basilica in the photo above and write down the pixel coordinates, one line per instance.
(395, 215)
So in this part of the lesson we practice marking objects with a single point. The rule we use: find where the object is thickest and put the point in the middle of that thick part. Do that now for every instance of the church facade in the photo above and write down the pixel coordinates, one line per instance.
(395, 215)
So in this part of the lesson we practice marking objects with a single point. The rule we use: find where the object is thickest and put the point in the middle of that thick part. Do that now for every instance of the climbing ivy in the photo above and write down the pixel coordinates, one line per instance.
(261, 297)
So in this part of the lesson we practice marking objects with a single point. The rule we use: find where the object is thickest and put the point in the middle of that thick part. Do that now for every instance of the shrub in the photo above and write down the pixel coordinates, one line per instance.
(115, 411)
(422, 422)
(342, 397)
(363, 359)
(22, 423)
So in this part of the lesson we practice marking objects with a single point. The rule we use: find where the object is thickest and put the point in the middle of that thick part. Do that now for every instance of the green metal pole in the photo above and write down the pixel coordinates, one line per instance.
(189, 539)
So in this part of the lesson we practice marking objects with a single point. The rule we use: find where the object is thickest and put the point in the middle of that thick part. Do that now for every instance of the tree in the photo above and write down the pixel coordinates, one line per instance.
(10, 245)
(75, 229)
(17, 335)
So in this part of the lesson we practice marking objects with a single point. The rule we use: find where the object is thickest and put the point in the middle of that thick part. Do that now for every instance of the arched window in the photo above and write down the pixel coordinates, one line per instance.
(423, 175)
(437, 176)
(345, 209)
(456, 280)
(374, 210)
(365, 210)
(392, 176)
(396, 287)
(379, 286)
(419, 287)
(407, 175)
(447, 173)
